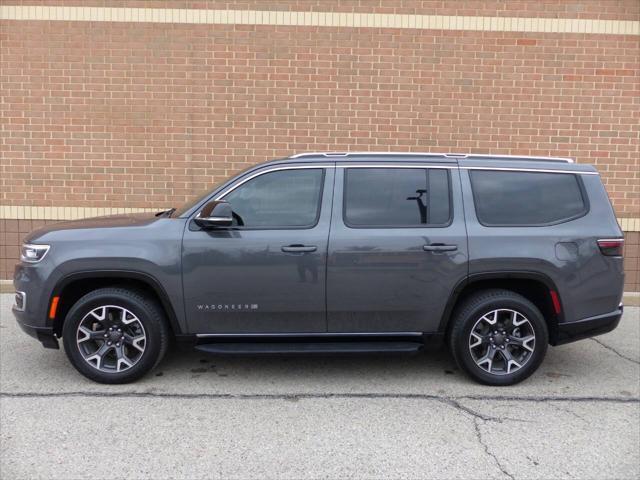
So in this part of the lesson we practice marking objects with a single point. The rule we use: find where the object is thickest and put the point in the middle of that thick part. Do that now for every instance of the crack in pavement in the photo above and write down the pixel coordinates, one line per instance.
(458, 406)
(476, 426)
(450, 400)
(621, 355)
(570, 412)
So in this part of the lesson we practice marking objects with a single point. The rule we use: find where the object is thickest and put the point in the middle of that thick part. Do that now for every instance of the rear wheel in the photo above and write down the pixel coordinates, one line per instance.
(498, 337)
(115, 335)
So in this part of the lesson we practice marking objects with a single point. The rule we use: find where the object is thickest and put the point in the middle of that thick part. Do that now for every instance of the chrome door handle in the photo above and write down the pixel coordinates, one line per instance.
(299, 248)
(439, 247)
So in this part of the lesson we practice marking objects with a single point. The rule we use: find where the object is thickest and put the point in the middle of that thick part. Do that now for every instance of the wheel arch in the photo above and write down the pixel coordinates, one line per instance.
(73, 286)
(534, 286)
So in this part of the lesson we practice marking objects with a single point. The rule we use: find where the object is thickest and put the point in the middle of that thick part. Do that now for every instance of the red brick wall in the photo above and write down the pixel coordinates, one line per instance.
(11, 234)
(632, 261)
(139, 114)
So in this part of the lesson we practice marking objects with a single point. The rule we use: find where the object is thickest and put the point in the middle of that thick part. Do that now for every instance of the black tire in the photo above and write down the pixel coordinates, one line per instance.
(481, 305)
(149, 315)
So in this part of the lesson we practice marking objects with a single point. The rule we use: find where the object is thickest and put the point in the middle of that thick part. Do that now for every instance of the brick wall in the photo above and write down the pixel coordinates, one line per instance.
(632, 261)
(591, 9)
(11, 234)
(138, 114)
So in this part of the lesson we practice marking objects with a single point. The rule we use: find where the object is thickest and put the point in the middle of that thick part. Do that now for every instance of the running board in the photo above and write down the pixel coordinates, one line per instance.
(280, 348)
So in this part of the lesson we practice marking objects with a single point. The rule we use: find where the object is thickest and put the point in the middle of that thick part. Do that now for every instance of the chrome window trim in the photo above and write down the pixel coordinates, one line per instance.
(346, 154)
(230, 189)
(400, 165)
(535, 170)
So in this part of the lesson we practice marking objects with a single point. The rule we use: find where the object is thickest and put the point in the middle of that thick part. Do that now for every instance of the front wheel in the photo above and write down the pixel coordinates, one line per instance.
(498, 337)
(115, 335)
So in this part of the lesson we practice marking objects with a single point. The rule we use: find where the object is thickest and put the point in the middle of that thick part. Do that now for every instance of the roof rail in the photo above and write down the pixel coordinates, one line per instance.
(466, 156)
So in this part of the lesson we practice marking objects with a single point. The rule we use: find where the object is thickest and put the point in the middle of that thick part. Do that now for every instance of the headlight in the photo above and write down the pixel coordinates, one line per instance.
(33, 253)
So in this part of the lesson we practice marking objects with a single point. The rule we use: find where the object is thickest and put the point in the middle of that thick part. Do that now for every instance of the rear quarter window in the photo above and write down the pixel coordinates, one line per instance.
(505, 198)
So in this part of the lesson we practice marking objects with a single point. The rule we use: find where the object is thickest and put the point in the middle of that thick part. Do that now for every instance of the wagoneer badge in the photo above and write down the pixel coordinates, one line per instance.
(238, 307)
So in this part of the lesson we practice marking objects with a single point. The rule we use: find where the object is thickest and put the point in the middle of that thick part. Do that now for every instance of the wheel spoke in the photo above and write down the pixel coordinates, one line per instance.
(514, 319)
(509, 360)
(127, 317)
(476, 339)
(122, 359)
(90, 334)
(487, 359)
(98, 356)
(525, 342)
(493, 319)
(99, 314)
(136, 342)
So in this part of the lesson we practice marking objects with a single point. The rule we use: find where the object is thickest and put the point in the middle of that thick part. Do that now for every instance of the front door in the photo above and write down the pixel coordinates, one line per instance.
(266, 273)
(398, 247)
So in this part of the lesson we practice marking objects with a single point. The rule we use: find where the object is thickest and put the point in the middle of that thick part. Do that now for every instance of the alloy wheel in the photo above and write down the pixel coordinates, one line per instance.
(502, 341)
(111, 338)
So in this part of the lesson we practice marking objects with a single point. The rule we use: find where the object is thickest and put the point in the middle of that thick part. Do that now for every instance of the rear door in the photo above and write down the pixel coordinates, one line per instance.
(398, 246)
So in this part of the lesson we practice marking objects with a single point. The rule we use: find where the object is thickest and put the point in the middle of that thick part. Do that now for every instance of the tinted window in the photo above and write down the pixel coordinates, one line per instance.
(285, 198)
(396, 197)
(526, 198)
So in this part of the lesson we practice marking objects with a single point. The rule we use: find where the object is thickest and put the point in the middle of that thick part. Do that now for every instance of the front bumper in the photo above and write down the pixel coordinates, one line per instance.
(44, 334)
(587, 327)
(31, 303)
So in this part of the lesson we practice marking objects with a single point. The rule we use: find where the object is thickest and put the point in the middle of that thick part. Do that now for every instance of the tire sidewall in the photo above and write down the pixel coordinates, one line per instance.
(473, 315)
(139, 308)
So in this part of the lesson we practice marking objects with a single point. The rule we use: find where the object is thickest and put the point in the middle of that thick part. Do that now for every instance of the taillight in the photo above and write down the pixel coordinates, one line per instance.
(611, 247)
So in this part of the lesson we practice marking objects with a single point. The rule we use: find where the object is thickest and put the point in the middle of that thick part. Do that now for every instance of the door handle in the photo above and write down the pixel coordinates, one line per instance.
(439, 247)
(299, 248)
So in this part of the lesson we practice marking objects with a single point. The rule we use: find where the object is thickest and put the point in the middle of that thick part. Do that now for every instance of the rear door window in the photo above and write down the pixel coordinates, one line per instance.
(505, 198)
(396, 197)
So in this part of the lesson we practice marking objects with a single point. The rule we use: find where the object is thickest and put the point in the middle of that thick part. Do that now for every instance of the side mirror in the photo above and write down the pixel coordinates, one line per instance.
(216, 213)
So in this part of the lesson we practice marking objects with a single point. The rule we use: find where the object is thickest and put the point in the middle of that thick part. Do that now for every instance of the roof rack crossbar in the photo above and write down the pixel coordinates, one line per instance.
(467, 156)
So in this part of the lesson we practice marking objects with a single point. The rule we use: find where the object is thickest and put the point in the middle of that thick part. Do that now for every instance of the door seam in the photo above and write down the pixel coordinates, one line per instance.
(326, 261)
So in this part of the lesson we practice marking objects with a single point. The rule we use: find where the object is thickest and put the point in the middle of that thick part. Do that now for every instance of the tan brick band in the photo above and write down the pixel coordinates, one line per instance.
(320, 19)
(24, 212)
(18, 212)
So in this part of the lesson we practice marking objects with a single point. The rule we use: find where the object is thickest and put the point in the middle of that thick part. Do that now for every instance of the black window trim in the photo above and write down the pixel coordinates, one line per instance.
(581, 187)
(396, 167)
(241, 182)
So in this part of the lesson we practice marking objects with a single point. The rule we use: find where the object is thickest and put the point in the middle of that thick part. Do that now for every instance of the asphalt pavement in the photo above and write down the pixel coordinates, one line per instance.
(198, 416)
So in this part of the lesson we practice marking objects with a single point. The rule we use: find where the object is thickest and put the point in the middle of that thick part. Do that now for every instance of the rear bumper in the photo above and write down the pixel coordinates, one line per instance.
(587, 327)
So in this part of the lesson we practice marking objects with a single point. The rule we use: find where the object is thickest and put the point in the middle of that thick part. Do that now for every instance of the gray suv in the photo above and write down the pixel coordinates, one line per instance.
(333, 253)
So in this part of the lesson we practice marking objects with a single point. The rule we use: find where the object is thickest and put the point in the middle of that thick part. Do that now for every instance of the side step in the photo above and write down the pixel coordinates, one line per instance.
(279, 348)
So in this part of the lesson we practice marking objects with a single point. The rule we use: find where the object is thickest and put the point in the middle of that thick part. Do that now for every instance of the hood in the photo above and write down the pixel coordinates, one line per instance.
(111, 221)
